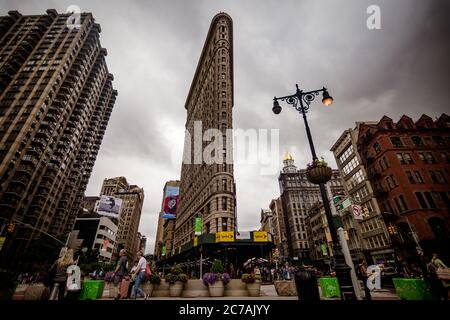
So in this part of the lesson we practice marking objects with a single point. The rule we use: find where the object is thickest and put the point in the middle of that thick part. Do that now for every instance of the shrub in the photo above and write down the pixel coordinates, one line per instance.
(217, 266)
(210, 278)
(171, 278)
(250, 278)
(226, 278)
(154, 279)
(176, 270)
(176, 274)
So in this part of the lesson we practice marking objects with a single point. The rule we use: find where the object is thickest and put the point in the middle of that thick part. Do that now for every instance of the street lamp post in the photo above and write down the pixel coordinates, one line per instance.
(301, 102)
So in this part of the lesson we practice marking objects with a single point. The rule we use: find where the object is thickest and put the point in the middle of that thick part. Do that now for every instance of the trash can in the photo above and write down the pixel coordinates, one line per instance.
(306, 283)
(92, 289)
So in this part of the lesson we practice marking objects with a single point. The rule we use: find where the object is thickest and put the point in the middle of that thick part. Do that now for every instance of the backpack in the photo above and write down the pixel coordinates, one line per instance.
(148, 271)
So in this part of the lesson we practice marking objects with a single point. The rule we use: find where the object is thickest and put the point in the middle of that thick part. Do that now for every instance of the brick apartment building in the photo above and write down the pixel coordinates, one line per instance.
(408, 164)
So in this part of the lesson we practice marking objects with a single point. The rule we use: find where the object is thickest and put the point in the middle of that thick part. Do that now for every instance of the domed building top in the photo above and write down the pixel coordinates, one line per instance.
(287, 156)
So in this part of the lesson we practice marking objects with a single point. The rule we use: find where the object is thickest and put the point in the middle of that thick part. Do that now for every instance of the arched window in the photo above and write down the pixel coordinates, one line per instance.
(439, 229)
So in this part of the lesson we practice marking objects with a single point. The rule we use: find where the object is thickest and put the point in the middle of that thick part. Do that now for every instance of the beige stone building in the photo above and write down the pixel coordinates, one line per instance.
(369, 237)
(130, 216)
(205, 188)
(267, 220)
(56, 97)
(166, 227)
(298, 195)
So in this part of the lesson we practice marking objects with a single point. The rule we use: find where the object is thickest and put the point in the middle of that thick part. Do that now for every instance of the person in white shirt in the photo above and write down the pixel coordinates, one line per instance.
(140, 276)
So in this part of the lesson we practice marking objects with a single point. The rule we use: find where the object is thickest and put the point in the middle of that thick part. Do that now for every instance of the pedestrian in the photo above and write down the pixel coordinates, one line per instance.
(140, 277)
(61, 272)
(438, 262)
(361, 272)
(435, 283)
(120, 271)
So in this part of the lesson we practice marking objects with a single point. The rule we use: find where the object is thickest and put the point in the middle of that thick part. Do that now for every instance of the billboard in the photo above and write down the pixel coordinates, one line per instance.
(260, 236)
(198, 226)
(170, 205)
(109, 206)
(225, 236)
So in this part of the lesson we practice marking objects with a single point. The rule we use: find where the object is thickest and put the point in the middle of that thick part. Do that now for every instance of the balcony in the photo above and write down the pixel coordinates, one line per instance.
(20, 179)
(30, 159)
(48, 125)
(34, 150)
(43, 133)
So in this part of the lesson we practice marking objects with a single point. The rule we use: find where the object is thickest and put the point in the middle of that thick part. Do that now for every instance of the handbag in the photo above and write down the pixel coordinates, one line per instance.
(148, 271)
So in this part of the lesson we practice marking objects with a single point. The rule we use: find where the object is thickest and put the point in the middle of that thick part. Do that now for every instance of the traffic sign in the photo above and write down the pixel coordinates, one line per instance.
(357, 211)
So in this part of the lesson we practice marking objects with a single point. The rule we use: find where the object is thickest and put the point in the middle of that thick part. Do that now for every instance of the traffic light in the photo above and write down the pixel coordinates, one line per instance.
(10, 228)
(392, 229)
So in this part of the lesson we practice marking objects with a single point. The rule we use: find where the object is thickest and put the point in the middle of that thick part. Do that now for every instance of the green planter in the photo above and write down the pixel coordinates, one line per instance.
(412, 289)
(329, 287)
(92, 289)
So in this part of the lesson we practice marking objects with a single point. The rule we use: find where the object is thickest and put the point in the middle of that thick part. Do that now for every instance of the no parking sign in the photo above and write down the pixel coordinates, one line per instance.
(357, 211)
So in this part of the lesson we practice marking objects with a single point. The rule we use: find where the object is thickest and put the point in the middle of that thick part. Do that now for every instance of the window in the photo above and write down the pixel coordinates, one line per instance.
(422, 157)
(441, 177)
(433, 176)
(410, 177)
(376, 147)
(350, 166)
(445, 198)
(408, 158)
(403, 202)
(224, 224)
(417, 141)
(391, 181)
(439, 140)
(421, 200)
(346, 154)
(396, 142)
(224, 184)
(224, 203)
(430, 158)
(400, 158)
(383, 163)
(430, 200)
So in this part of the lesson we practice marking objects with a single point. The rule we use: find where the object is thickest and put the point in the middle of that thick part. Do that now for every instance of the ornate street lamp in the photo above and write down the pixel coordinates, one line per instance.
(301, 102)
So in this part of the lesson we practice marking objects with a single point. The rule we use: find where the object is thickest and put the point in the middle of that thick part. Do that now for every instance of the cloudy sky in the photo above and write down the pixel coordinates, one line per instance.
(153, 50)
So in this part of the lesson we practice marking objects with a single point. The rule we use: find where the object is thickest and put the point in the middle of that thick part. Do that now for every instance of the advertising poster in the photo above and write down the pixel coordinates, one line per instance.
(105, 245)
(109, 206)
(171, 202)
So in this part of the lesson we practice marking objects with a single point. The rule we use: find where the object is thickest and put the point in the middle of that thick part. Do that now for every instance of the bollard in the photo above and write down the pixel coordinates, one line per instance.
(306, 283)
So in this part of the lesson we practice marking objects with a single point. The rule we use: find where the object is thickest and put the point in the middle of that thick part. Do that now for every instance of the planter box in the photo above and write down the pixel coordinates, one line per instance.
(254, 289)
(236, 288)
(161, 290)
(19, 292)
(176, 288)
(217, 289)
(194, 289)
(412, 289)
(319, 174)
(330, 287)
(285, 288)
(92, 289)
(148, 288)
(34, 292)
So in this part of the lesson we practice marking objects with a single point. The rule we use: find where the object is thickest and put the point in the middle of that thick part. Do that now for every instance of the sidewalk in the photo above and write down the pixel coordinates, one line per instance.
(268, 292)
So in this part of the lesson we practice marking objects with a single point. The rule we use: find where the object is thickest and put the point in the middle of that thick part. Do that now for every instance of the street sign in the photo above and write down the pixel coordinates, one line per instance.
(346, 203)
(323, 246)
(357, 211)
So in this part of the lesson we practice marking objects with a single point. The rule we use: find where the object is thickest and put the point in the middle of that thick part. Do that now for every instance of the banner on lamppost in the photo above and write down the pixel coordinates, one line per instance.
(163, 250)
(198, 226)
(171, 202)
(195, 241)
(323, 246)
(109, 206)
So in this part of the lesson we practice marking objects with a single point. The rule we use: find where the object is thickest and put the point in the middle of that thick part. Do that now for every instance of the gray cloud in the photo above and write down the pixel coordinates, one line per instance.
(153, 50)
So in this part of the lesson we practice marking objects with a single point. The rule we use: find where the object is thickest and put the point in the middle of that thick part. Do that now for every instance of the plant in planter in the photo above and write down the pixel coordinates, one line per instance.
(176, 278)
(253, 284)
(152, 281)
(318, 171)
(216, 279)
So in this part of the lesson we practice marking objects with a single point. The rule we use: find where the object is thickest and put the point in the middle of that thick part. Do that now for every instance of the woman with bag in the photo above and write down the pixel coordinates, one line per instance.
(140, 277)
(61, 272)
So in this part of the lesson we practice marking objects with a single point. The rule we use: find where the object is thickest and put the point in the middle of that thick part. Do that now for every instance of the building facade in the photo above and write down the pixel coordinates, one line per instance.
(166, 228)
(319, 235)
(297, 197)
(368, 238)
(207, 187)
(130, 215)
(267, 221)
(408, 165)
(56, 97)
(279, 229)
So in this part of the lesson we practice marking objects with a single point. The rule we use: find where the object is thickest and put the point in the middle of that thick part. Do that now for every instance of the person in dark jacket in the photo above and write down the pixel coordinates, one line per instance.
(121, 270)
(361, 272)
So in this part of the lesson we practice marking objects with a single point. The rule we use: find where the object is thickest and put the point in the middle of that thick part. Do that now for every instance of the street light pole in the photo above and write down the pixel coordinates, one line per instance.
(301, 102)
